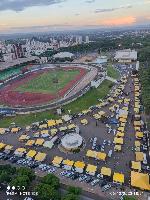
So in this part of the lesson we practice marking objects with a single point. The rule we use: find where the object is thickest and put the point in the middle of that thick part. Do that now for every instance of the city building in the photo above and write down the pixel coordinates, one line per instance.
(62, 55)
(87, 39)
(18, 50)
(126, 56)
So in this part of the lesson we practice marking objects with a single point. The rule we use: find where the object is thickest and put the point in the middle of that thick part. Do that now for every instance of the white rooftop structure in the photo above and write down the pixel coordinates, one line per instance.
(126, 55)
(71, 141)
(63, 55)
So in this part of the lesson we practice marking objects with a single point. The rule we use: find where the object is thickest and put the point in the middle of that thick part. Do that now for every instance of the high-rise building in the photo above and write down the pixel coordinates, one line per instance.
(87, 39)
(79, 39)
(18, 50)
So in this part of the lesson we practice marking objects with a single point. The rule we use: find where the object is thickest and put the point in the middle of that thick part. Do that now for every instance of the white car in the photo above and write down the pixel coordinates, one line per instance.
(110, 153)
(95, 182)
(82, 178)
(106, 187)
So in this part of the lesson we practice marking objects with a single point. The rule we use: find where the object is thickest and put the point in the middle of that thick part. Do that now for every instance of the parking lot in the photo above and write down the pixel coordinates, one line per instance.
(98, 136)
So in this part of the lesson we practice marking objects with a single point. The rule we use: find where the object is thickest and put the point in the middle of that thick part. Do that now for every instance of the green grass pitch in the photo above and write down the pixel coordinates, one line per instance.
(48, 82)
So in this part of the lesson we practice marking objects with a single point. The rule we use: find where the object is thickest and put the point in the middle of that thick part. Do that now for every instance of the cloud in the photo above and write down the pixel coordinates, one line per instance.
(90, 1)
(119, 21)
(19, 5)
(112, 9)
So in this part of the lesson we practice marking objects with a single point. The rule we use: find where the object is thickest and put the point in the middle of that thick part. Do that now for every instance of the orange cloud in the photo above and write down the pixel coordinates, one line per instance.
(119, 21)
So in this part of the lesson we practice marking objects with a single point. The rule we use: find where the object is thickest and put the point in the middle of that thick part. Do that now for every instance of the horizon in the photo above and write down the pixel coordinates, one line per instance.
(66, 15)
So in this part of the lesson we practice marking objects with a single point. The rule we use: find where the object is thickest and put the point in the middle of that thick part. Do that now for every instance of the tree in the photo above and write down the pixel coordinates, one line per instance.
(70, 197)
(129, 198)
(74, 190)
(47, 192)
(23, 171)
(51, 180)
(21, 181)
(5, 177)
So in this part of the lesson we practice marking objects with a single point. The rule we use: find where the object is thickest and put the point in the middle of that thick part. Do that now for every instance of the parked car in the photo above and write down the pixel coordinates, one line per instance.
(110, 153)
(106, 187)
(82, 178)
(95, 182)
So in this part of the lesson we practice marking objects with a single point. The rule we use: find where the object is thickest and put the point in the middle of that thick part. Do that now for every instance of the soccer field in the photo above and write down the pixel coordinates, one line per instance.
(49, 82)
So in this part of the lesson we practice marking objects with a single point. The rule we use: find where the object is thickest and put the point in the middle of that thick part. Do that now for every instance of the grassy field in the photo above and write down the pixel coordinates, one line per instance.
(49, 82)
(112, 72)
(89, 99)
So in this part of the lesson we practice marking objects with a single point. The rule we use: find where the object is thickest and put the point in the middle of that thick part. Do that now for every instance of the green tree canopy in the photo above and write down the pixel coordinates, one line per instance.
(21, 181)
(74, 190)
(27, 172)
(70, 197)
(46, 192)
(51, 180)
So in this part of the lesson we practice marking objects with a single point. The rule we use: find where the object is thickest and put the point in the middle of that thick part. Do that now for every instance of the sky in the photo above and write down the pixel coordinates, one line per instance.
(54, 15)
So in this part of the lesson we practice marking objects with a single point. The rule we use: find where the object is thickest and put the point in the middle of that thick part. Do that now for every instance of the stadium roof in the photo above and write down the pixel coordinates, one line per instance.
(63, 55)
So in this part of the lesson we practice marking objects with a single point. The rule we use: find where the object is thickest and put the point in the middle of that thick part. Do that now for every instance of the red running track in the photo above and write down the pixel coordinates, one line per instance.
(10, 97)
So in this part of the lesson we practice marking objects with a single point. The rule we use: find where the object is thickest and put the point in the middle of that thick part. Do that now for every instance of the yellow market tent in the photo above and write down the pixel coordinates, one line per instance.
(102, 113)
(139, 156)
(91, 154)
(106, 171)
(23, 137)
(119, 134)
(71, 126)
(2, 131)
(40, 156)
(122, 120)
(137, 143)
(117, 147)
(137, 128)
(79, 164)
(101, 156)
(2, 145)
(122, 124)
(59, 121)
(140, 180)
(136, 165)
(51, 123)
(97, 116)
(39, 142)
(43, 132)
(118, 140)
(30, 143)
(68, 162)
(63, 128)
(42, 126)
(15, 130)
(21, 150)
(137, 123)
(8, 147)
(54, 131)
(110, 99)
(121, 128)
(136, 110)
(123, 116)
(139, 135)
(31, 153)
(118, 178)
(91, 169)
(84, 121)
(57, 161)
(86, 111)
(125, 108)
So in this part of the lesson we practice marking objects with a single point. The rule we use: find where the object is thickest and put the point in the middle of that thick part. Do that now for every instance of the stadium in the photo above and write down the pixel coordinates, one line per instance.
(47, 85)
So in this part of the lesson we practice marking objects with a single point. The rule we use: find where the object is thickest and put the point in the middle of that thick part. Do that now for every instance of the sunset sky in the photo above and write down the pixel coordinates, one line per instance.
(50, 15)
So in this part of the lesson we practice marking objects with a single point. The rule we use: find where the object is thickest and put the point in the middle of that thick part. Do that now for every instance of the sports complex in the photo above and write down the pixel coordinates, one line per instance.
(45, 85)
